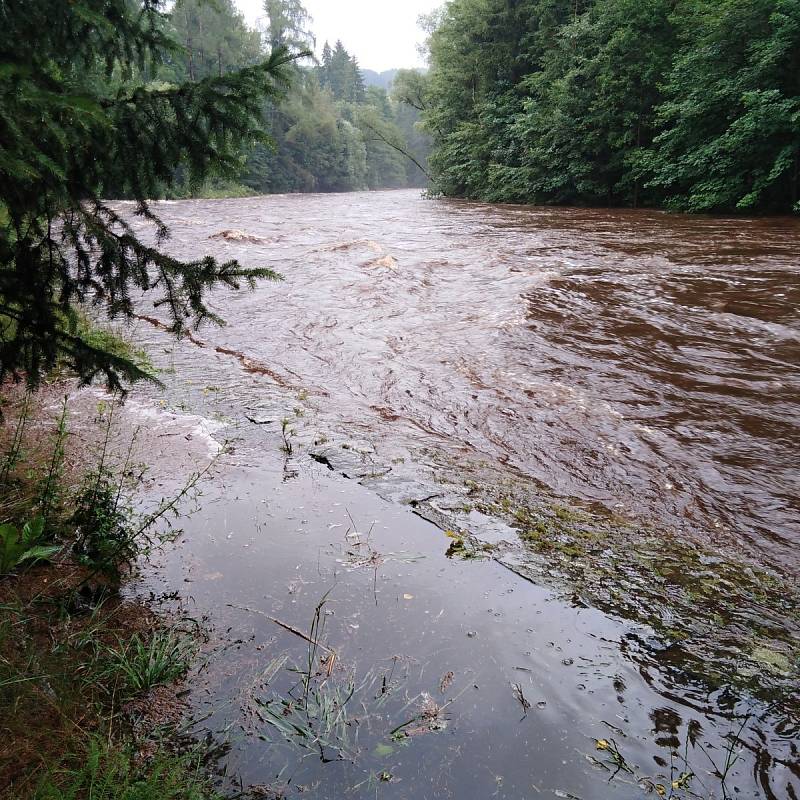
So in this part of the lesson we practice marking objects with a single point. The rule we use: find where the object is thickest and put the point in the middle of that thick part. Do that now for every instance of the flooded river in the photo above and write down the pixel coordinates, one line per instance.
(638, 365)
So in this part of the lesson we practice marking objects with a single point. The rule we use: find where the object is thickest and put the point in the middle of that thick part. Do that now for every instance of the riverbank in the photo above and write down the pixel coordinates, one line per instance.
(350, 643)
(90, 679)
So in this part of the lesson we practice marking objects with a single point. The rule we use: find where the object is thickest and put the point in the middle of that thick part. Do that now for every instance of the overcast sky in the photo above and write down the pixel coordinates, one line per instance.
(381, 34)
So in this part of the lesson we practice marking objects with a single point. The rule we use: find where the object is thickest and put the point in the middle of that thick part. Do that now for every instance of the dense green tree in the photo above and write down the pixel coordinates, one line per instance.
(79, 121)
(693, 104)
(386, 162)
(317, 150)
(215, 40)
(288, 25)
(339, 72)
(410, 95)
(332, 134)
(589, 111)
(731, 120)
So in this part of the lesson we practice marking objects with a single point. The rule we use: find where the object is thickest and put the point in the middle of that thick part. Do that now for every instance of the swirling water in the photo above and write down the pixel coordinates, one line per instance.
(634, 360)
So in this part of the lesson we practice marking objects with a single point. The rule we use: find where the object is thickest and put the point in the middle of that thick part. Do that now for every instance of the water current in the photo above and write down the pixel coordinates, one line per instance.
(636, 362)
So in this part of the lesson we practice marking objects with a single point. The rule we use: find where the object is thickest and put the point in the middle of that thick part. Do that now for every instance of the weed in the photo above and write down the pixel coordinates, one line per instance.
(287, 432)
(430, 717)
(105, 534)
(115, 773)
(140, 664)
(12, 457)
(679, 783)
(615, 758)
(50, 491)
(105, 537)
(110, 535)
(319, 720)
(18, 547)
(326, 711)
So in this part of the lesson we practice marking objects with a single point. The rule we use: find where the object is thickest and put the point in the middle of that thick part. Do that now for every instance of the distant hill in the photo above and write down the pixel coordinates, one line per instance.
(383, 80)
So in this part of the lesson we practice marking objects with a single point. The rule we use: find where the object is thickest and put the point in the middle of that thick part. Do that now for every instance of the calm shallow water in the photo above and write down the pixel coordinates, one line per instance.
(641, 362)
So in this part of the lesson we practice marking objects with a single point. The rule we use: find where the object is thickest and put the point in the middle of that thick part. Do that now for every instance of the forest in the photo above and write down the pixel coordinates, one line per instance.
(692, 105)
(330, 132)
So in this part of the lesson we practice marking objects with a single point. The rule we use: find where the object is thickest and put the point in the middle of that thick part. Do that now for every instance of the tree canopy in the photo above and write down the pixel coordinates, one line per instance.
(689, 104)
(333, 133)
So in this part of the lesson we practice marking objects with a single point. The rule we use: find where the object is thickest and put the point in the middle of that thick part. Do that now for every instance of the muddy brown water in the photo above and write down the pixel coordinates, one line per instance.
(638, 361)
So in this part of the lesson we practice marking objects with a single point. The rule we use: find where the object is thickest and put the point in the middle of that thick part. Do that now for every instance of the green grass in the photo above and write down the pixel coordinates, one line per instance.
(139, 665)
(114, 342)
(119, 773)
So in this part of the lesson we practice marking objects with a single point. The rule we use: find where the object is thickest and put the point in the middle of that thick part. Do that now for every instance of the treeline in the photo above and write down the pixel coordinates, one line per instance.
(685, 104)
(330, 132)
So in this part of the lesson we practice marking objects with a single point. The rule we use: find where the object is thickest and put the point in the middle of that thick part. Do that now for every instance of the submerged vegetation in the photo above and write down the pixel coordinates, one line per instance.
(332, 712)
(722, 617)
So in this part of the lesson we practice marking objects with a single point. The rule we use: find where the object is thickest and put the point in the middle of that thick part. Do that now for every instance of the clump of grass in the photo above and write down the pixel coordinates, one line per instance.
(72, 652)
(287, 432)
(141, 663)
(329, 708)
(114, 342)
(109, 772)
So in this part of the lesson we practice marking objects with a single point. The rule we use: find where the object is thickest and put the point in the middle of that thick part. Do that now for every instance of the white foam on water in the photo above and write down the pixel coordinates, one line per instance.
(196, 426)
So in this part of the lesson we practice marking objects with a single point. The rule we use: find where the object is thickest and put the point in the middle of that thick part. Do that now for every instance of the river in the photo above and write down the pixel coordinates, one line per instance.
(636, 365)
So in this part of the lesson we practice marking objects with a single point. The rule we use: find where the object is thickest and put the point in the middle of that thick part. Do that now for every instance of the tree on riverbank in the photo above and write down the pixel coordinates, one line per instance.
(687, 104)
(331, 133)
(82, 119)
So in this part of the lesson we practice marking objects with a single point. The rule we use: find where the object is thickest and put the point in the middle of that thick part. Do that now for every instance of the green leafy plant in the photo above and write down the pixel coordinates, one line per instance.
(143, 663)
(107, 772)
(106, 536)
(20, 546)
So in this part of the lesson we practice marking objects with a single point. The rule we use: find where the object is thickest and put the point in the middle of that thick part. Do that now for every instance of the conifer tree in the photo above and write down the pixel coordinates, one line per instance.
(215, 39)
(79, 122)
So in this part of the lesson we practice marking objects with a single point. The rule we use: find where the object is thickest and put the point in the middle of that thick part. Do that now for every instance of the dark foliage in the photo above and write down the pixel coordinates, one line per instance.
(81, 120)
(689, 104)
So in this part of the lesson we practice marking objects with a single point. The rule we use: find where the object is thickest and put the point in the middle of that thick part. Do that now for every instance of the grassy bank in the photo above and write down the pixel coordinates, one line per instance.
(89, 681)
